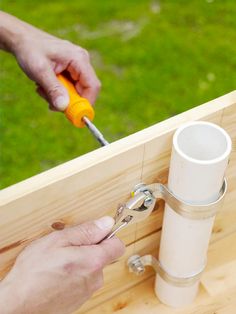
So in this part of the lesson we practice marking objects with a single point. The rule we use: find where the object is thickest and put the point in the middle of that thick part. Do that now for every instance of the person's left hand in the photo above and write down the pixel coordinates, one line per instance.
(42, 56)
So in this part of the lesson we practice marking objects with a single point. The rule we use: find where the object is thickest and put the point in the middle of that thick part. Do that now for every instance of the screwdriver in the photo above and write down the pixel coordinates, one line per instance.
(80, 112)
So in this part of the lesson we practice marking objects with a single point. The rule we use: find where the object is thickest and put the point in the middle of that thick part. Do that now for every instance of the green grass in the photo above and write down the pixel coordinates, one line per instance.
(152, 65)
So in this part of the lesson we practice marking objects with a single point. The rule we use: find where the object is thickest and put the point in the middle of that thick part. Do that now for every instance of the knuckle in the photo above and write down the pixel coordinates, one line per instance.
(53, 90)
(66, 42)
(41, 67)
(84, 53)
(86, 234)
(114, 250)
(97, 86)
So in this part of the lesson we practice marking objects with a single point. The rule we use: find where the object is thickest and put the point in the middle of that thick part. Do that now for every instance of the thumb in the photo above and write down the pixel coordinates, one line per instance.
(55, 92)
(88, 233)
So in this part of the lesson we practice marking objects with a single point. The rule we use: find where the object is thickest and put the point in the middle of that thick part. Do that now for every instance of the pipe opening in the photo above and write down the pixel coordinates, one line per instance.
(202, 142)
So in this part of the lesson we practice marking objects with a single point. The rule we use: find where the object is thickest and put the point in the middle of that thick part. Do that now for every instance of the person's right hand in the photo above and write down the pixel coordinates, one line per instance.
(59, 272)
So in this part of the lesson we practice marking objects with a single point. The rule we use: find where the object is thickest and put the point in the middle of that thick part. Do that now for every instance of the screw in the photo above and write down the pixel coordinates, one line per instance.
(135, 265)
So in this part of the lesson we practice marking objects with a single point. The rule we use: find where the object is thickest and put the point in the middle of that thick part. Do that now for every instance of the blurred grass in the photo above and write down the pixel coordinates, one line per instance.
(155, 59)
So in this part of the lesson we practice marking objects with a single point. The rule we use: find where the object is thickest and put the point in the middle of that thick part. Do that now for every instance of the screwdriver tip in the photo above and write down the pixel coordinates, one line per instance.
(95, 132)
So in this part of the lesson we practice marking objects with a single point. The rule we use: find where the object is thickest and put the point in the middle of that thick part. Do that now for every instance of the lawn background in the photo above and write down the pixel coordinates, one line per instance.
(155, 59)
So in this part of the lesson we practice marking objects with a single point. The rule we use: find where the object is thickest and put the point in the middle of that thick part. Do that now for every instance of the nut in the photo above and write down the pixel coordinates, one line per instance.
(148, 201)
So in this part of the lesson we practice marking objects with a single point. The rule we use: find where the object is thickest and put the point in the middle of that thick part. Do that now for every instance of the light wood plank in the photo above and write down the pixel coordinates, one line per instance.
(94, 184)
(214, 296)
(117, 277)
(141, 300)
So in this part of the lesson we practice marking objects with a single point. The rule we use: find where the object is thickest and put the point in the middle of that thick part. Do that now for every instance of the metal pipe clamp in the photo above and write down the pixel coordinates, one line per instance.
(185, 209)
(137, 265)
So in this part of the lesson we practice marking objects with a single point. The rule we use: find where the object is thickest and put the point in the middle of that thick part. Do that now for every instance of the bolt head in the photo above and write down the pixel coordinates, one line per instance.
(148, 201)
(135, 265)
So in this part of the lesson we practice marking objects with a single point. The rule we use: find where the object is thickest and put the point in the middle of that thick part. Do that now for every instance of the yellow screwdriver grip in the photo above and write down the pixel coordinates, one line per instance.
(78, 106)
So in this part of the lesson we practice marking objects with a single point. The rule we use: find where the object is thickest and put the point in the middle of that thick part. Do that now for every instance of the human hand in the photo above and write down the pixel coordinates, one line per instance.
(42, 56)
(59, 272)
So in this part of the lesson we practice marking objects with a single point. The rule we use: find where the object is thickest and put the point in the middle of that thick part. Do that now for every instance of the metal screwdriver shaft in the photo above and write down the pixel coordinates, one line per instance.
(79, 110)
(95, 132)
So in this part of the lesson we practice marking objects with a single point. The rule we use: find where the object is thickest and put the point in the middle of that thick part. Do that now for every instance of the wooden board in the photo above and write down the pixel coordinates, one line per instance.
(83, 189)
(217, 292)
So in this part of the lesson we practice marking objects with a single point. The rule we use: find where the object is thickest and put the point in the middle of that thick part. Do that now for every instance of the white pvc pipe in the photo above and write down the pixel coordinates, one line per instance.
(198, 162)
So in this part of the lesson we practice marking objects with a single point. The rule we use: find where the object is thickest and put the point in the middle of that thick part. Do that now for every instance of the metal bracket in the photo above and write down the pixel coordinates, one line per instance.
(185, 209)
(138, 263)
(143, 199)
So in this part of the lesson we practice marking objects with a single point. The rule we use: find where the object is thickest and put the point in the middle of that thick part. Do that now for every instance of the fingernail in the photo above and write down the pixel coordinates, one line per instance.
(61, 102)
(105, 223)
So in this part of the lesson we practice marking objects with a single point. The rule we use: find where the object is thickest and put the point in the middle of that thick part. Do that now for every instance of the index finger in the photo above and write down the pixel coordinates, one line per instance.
(100, 255)
(112, 249)
(87, 84)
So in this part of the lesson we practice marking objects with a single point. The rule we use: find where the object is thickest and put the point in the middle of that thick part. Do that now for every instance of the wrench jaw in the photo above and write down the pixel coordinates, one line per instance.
(117, 228)
(136, 209)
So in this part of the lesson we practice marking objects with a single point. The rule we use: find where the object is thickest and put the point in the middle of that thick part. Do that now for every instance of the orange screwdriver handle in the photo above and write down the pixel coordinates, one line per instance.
(78, 106)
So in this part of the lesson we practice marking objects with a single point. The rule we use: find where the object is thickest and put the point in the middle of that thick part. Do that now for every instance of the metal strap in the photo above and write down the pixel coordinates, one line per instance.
(192, 211)
(137, 265)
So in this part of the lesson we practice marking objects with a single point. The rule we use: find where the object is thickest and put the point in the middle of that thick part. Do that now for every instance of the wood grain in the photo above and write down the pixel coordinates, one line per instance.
(217, 293)
(94, 184)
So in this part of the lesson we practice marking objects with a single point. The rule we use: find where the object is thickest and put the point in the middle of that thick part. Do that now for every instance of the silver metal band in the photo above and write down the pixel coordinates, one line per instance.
(137, 265)
(191, 211)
